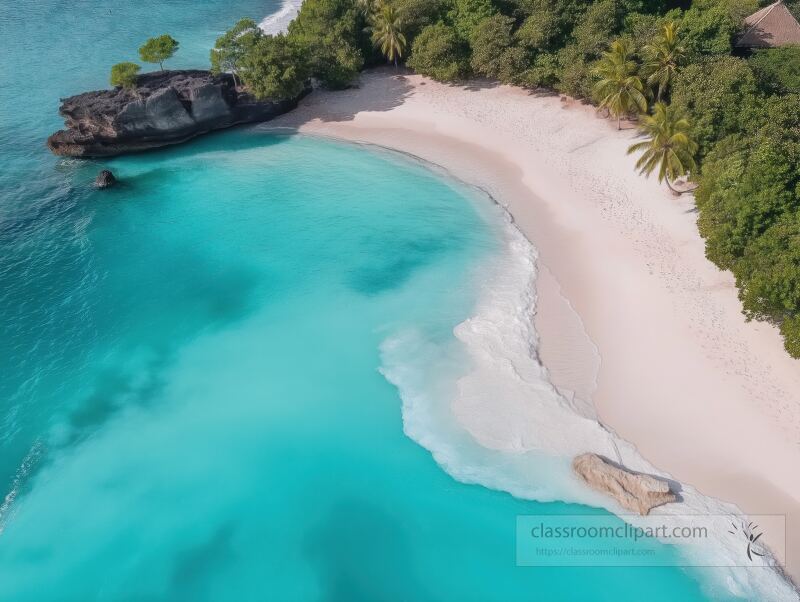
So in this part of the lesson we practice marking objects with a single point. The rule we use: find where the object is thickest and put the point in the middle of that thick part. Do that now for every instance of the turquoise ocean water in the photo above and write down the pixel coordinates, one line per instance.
(191, 404)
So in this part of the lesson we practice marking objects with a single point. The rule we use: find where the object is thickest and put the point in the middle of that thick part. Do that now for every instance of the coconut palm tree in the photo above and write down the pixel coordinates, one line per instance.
(662, 58)
(668, 148)
(386, 26)
(367, 6)
(619, 88)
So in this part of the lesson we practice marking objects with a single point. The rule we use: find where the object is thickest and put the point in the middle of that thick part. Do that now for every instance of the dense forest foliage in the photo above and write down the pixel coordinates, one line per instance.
(732, 122)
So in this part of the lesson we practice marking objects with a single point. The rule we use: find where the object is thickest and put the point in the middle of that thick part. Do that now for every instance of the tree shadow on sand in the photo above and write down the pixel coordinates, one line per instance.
(389, 87)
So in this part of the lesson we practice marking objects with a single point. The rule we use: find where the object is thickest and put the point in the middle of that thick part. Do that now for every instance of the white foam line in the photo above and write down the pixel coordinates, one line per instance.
(501, 423)
(28, 463)
(279, 21)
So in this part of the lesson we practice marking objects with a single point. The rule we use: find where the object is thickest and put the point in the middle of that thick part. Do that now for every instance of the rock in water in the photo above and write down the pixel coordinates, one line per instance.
(166, 108)
(634, 491)
(105, 179)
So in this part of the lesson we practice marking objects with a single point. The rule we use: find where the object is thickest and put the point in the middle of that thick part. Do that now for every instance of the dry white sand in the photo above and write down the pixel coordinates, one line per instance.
(704, 395)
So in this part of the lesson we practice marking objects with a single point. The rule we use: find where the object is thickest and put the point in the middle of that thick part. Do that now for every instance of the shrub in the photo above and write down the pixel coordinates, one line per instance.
(769, 273)
(330, 35)
(708, 27)
(545, 72)
(543, 26)
(124, 75)
(466, 14)
(232, 47)
(777, 69)
(158, 50)
(275, 68)
(790, 329)
(440, 53)
(721, 95)
(493, 50)
(418, 14)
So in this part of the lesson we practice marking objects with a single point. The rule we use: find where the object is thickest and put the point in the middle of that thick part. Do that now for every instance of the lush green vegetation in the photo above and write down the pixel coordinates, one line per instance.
(232, 48)
(619, 87)
(731, 123)
(386, 31)
(669, 147)
(158, 50)
(124, 75)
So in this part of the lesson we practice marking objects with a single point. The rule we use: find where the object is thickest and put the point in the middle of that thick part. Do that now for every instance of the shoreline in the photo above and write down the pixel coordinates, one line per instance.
(682, 376)
(279, 21)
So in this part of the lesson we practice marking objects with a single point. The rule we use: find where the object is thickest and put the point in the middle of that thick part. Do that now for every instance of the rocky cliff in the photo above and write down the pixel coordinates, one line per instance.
(165, 108)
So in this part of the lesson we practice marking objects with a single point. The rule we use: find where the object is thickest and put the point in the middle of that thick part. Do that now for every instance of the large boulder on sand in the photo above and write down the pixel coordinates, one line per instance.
(634, 491)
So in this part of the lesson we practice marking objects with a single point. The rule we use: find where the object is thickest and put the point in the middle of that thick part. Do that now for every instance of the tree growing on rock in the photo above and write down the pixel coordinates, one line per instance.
(231, 48)
(158, 50)
(124, 75)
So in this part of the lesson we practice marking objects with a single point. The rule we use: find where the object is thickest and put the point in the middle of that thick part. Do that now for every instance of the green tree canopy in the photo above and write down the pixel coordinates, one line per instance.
(466, 14)
(709, 26)
(545, 71)
(749, 181)
(777, 69)
(275, 68)
(721, 95)
(597, 26)
(493, 51)
(158, 50)
(594, 30)
(418, 14)
(543, 24)
(790, 329)
(124, 75)
(330, 32)
(440, 53)
(231, 48)
(769, 272)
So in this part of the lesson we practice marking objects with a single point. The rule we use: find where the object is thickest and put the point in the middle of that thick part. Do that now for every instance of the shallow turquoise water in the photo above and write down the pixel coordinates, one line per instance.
(191, 405)
(210, 422)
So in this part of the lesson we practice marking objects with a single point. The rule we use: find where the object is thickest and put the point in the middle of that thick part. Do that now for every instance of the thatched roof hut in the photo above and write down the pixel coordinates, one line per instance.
(772, 26)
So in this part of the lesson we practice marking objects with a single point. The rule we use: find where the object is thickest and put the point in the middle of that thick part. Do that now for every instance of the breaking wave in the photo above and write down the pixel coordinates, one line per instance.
(279, 21)
(484, 406)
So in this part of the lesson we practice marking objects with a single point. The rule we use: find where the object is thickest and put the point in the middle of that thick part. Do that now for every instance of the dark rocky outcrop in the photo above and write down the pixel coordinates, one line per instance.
(165, 108)
(105, 179)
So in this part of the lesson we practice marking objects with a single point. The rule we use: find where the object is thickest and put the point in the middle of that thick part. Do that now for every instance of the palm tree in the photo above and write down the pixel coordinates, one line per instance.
(668, 146)
(620, 90)
(386, 25)
(662, 59)
(366, 6)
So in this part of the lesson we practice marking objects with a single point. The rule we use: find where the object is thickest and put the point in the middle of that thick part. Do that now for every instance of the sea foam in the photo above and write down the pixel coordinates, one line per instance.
(487, 411)
(279, 20)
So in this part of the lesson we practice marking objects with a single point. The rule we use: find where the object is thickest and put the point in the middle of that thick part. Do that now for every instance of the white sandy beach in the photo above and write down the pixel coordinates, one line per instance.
(631, 316)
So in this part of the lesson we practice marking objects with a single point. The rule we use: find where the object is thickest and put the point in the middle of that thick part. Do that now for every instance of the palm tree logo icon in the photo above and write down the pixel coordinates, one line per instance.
(751, 534)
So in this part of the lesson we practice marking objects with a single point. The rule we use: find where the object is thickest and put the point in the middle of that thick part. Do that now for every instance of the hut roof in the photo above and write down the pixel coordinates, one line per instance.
(772, 26)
